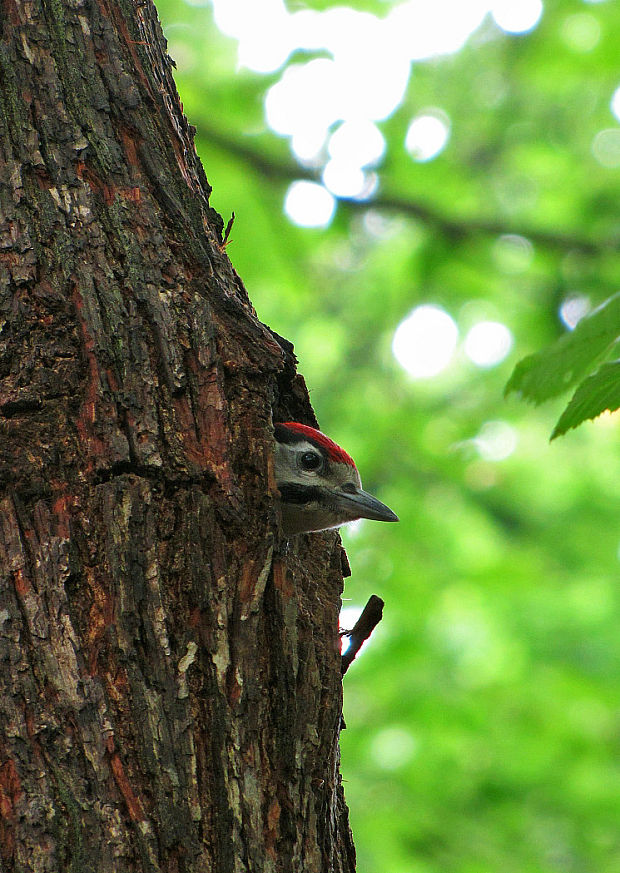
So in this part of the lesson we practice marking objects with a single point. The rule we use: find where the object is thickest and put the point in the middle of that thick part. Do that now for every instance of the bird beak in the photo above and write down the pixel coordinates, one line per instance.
(364, 505)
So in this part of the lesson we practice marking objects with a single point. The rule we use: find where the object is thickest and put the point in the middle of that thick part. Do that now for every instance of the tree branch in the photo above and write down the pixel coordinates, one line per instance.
(286, 170)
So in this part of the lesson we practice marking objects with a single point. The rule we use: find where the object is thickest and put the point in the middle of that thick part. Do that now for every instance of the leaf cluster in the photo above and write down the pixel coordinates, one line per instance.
(581, 359)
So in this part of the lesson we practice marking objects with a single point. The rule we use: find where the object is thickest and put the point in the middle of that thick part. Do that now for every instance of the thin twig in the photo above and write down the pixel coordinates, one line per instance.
(364, 626)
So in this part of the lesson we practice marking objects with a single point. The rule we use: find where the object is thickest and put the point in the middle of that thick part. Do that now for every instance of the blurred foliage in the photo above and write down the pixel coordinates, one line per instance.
(483, 718)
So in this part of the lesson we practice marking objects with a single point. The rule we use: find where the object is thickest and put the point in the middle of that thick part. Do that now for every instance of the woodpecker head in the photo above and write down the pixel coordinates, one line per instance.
(319, 483)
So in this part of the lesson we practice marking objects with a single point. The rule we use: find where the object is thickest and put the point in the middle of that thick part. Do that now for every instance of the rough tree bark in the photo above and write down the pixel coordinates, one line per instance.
(170, 686)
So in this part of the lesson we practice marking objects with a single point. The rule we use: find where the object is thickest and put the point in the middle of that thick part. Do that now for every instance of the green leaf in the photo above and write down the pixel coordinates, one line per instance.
(551, 371)
(596, 394)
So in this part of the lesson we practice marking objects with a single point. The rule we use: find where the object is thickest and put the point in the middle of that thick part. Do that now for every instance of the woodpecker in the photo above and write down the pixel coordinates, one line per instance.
(318, 482)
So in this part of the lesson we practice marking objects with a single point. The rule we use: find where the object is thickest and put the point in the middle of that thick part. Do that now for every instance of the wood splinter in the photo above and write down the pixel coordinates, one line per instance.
(225, 239)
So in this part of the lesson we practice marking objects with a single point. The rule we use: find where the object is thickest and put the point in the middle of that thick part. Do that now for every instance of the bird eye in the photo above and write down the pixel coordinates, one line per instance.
(310, 461)
(349, 488)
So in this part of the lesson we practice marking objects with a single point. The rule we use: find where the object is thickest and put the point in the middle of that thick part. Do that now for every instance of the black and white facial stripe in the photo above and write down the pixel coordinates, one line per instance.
(319, 484)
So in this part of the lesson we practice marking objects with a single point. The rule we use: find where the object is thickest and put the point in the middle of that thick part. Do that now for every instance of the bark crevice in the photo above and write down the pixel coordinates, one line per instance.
(170, 686)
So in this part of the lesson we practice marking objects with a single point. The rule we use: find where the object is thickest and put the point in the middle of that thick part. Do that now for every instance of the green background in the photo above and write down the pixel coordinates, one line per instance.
(483, 719)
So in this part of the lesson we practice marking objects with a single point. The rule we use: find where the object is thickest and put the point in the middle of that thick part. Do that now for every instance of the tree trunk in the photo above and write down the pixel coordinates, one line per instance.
(170, 688)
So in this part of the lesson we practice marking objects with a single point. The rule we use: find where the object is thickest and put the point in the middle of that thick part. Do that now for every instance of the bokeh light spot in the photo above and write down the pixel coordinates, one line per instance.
(496, 441)
(306, 98)
(425, 30)
(344, 179)
(307, 145)
(513, 253)
(348, 617)
(516, 16)
(615, 103)
(425, 341)
(427, 135)
(269, 18)
(488, 343)
(360, 142)
(573, 309)
(606, 147)
(309, 204)
(581, 32)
